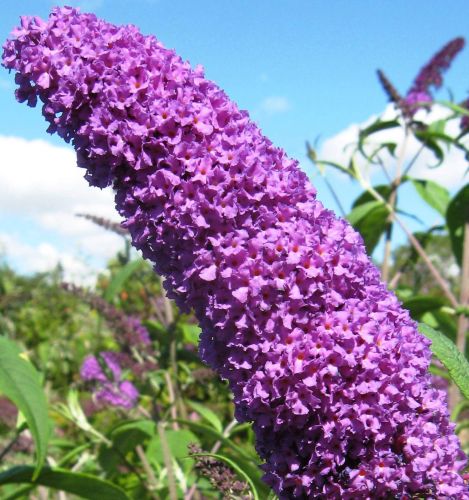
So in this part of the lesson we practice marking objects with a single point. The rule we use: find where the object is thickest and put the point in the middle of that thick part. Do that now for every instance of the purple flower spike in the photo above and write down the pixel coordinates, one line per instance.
(464, 124)
(105, 377)
(319, 355)
(431, 76)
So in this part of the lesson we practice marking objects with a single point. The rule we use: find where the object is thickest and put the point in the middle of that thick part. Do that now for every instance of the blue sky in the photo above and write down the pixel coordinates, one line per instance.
(302, 68)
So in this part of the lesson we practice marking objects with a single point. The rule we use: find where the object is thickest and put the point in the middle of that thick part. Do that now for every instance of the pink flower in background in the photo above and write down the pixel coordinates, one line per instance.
(105, 376)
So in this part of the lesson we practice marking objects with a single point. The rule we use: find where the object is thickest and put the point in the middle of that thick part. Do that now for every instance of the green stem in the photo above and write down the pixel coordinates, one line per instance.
(167, 458)
(414, 242)
(392, 203)
(151, 479)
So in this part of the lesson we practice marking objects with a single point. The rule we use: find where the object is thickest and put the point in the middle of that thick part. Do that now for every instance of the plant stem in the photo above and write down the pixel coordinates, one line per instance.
(9, 446)
(172, 400)
(173, 379)
(168, 462)
(420, 250)
(392, 203)
(151, 479)
(335, 196)
(416, 244)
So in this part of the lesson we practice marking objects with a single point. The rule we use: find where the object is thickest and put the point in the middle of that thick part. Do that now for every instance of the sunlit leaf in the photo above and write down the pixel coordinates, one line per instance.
(20, 382)
(453, 360)
(435, 195)
(119, 280)
(457, 216)
(207, 414)
(82, 485)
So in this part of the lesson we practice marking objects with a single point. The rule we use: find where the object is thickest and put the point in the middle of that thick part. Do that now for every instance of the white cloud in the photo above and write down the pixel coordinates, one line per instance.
(41, 184)
(275, 104)
(450, 174)
(44, 257)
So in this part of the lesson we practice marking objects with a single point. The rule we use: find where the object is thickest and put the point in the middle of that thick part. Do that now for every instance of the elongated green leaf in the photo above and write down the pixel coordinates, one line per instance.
(369, 219)
(190, 333)
(236, 468)
(20, 382)
(125, 438)
(23, 490)
(82, 485)
(447, 352)
(375, 127)
(455, 107)
(145, 427)
(118, 281)
(437, 126)
(207, 414)
(177, 441)
(435, 195)
(361, 211)
(457, 216)
(345, 170)
(378, 126)
(383, 189)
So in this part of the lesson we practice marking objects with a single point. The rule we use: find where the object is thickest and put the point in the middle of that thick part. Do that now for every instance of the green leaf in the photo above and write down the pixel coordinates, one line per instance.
(20, 382)
(361, 211)
(235, 467)
(190, 333)
(82, 485)
(178, 441)
(125, 438)
(207, 414)
(157, 330)
(370, 220)
(420, 304)
(428, 139)
(377, 126)
(435, 195)
(345, 170)
(437, 127)
(453, 360)
(118, 281)
(454, 107)
(143, 427)
(383, 189)
(457, 216)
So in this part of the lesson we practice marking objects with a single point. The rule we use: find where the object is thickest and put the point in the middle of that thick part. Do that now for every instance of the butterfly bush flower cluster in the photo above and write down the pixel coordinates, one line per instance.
(319, 355)
(107, 384)
(431, 75)
(104, 373)
(465, 118)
